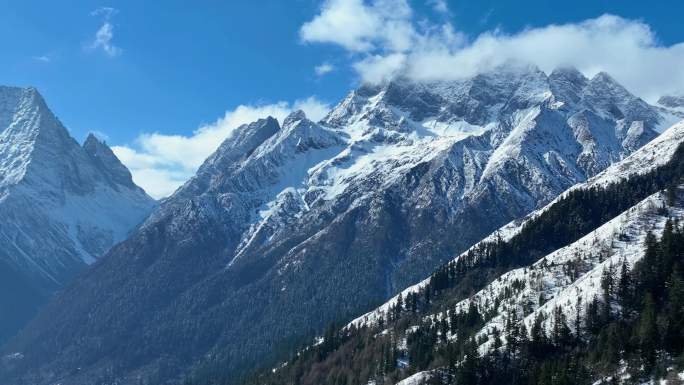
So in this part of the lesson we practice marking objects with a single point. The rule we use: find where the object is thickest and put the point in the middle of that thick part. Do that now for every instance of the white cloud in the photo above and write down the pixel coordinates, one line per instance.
(103, 40)
(161, 163)
(361, 27)
(378, 69)
(627, 49)
(439, 5)
(105, 34)
(324, 69)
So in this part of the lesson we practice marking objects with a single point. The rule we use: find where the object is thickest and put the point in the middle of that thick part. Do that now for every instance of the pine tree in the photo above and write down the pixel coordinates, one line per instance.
(647, 332)
(538, 336)
(514, 335)
(607, 282)
(496, 337)
(562, 336)
(467, 372)
(674, 329)
(578, 319)
(671, 194)
(399, 307)
(593, 319)
(624, 289)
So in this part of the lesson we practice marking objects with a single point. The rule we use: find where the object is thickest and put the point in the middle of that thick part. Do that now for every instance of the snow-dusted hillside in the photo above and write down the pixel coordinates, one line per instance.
(656, 153)
(62, 205)
(570, 278)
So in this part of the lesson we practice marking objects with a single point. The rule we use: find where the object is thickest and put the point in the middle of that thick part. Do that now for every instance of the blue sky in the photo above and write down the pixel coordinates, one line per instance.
(158, 74)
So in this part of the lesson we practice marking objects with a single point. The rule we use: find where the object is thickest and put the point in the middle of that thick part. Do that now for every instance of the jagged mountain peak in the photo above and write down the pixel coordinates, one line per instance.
(93, 142)
(604, 77)
(299, 133)
(672, 101)
(605, 85)
(489, 97)
(41, 162)
(294, 117)
(37, 151)
(31, 137)
(104, 158)
(672, 109)
(23, 103)
(244, 139)
(238, 146)
(568, 72)
(609, 99)
(567, 84)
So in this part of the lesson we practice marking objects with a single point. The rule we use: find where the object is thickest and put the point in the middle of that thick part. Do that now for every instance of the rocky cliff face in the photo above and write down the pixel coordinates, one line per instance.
(286, 228)
(62, 205)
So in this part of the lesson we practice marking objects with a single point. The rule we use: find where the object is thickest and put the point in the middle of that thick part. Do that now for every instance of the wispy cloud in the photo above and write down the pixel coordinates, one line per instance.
(324, 69)
(42, 58)
(484, 20)
(105, 34)
(161, 163)
(386, 38)
(106, 12)
(439, 5)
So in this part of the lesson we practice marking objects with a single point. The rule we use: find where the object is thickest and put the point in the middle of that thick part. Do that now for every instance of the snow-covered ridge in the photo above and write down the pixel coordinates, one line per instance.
(654, 154)
(651, 156)
(570, 277)
(499, 121)
(63, 204)
(18, 119)
(673, 102)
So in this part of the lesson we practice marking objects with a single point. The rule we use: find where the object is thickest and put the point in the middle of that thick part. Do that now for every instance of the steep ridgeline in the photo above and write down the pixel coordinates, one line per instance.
(285, 229)
(62, 205)
(571, 294)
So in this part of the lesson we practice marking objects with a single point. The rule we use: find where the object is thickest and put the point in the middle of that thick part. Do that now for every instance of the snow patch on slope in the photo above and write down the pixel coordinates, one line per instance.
(619, 240)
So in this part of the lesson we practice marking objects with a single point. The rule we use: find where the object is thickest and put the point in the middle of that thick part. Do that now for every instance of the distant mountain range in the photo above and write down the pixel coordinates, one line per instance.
(288, 227)
(62, 205)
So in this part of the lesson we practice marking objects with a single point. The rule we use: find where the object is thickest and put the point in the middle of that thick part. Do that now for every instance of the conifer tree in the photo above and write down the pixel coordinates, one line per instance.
(647, 332)
(467, 373)
(674, 328)
(624, 286)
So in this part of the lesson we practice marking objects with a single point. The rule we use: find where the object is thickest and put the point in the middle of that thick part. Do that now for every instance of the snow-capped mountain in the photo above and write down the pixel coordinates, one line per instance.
(671, 107)
(286, 228)
(671, 101)
(63, 205)
(564, 283)
(655, 154)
